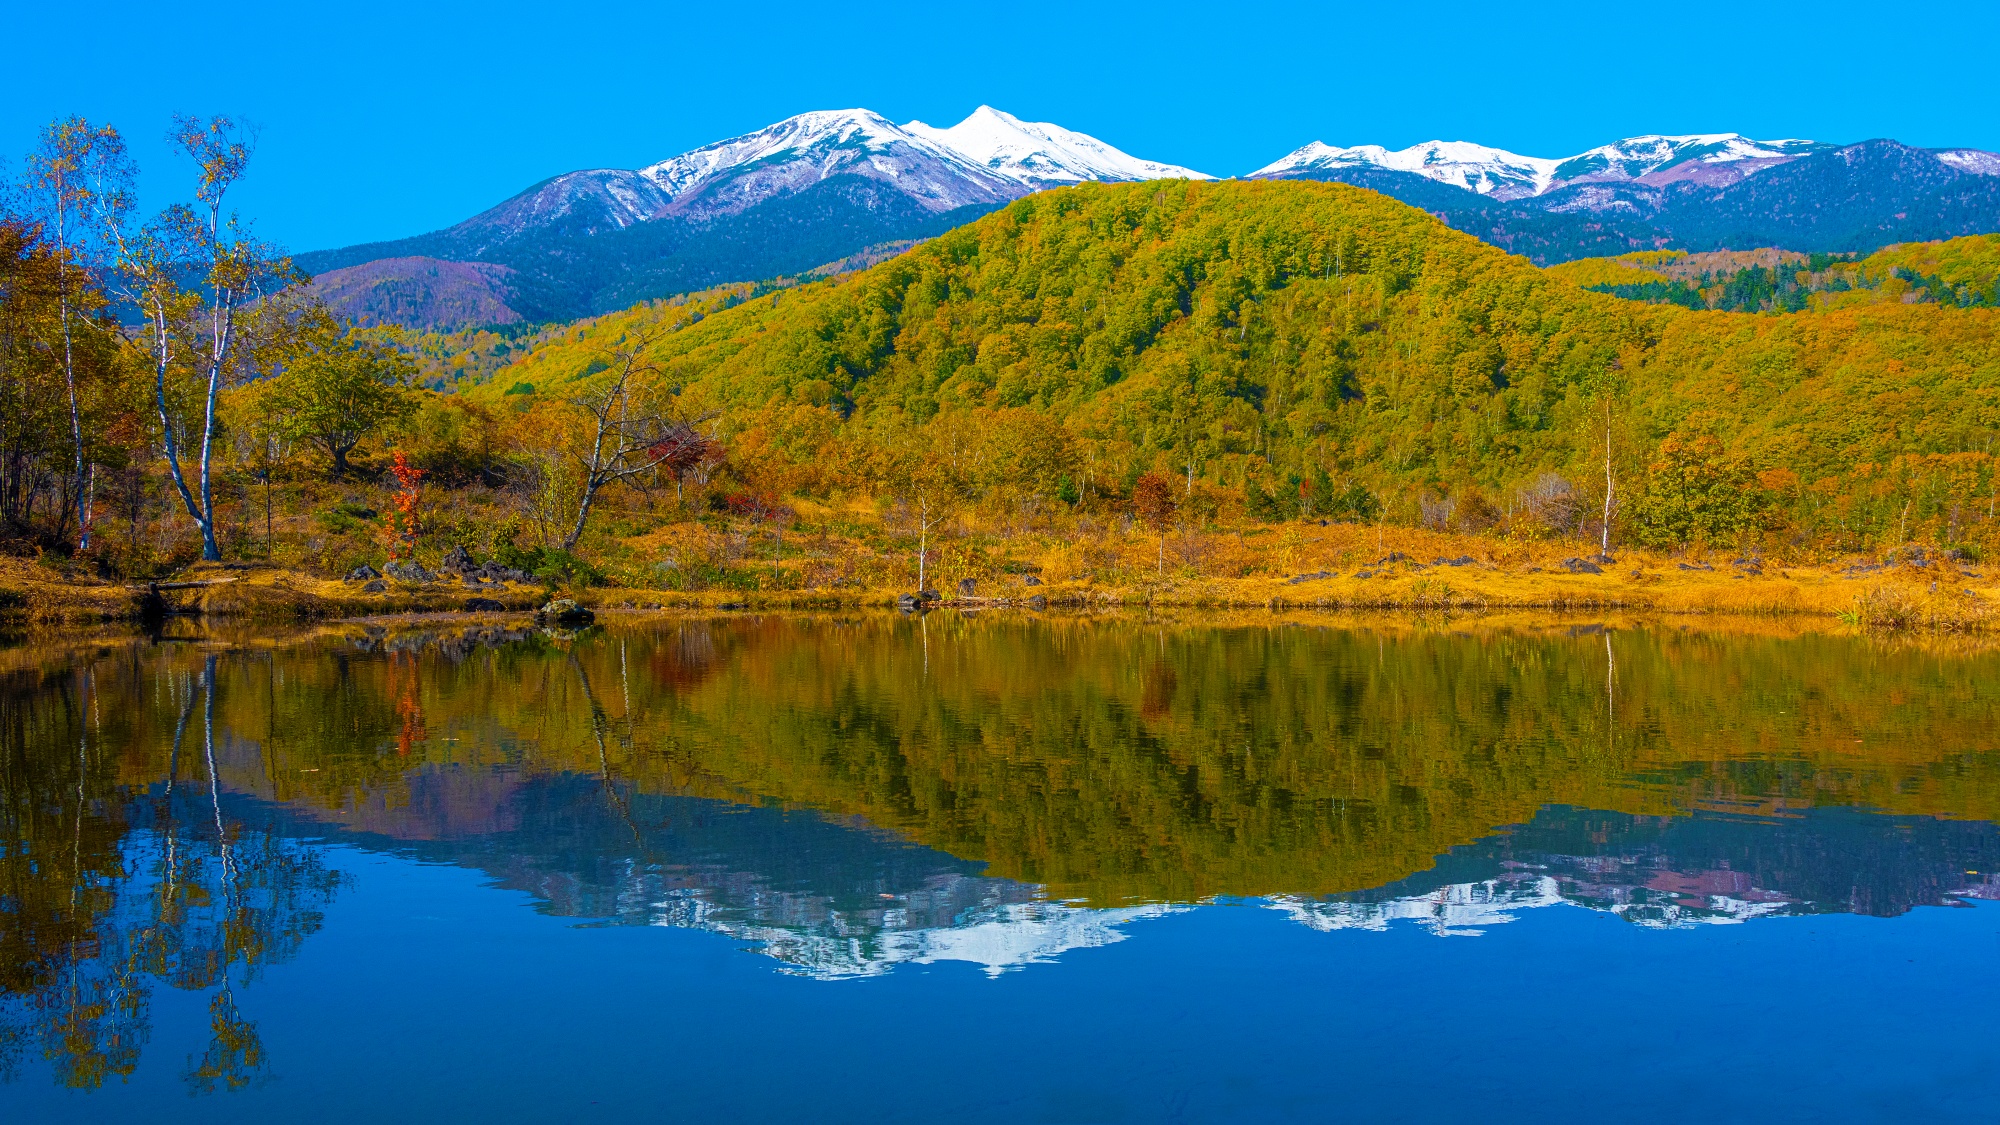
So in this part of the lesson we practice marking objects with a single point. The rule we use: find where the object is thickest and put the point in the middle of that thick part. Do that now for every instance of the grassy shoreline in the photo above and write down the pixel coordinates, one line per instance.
(1921, 592)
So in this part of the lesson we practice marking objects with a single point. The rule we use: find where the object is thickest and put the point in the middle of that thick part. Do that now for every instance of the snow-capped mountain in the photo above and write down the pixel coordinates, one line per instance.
(1488, 171)
(987, 159)
(732, 176)
(1709, 191)
(1040, 155)
(1709, 158)
(806, 191)
(794, 154)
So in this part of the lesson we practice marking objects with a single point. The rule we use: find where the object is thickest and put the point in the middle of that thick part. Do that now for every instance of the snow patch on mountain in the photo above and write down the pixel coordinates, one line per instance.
(1971, 160)
(1038, 154)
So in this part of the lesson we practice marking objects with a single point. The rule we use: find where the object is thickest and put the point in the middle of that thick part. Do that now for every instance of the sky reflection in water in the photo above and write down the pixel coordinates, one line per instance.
(290, 878)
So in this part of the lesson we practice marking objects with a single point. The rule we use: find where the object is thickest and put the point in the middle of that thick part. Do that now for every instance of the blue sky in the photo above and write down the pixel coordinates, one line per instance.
(379, 120)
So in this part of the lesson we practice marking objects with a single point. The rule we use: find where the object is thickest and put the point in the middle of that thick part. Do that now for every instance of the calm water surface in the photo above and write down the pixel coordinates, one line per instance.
(892, 870)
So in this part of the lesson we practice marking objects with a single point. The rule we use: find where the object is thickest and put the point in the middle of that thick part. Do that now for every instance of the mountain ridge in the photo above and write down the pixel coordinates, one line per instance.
(820, 186)
(1656, 159)
(1848, 198)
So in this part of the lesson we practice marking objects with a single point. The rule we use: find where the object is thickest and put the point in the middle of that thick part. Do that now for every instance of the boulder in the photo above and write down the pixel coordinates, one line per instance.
(1038, 602)
(565, 613)
(907, 603)
(1582, 566)
(1031, 580)
(458, 560)
(967, 588)
(930, 596)
(408, 572)
(483, 605)
(363, 573)
(376, 587)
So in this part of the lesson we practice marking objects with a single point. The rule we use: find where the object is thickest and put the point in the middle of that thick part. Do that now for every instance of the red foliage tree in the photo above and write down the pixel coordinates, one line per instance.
(1153, 502)
(399, 531)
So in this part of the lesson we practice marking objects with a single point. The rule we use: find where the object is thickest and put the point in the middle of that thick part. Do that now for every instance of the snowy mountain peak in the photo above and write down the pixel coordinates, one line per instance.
(1039, 154)
(828, 140)
(1488, 171)
(987, 159)
(1712, 158)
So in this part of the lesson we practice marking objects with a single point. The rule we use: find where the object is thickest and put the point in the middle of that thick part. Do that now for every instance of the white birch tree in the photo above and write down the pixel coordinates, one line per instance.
(195, 327)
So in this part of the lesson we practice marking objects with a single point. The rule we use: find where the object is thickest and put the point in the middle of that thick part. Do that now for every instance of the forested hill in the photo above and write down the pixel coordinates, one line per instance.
(1270, 333)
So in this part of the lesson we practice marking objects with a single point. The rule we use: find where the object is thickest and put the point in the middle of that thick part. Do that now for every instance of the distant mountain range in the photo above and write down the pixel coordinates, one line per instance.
(827, 186)
(1705, 192)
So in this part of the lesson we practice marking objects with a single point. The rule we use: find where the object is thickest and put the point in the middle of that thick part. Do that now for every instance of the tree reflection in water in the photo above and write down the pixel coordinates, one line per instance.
(111, 892)
(850, 794)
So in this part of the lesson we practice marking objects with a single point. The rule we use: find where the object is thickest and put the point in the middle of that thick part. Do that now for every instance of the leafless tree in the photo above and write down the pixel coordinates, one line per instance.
(1436, 511)
(1609, 484)
(632, 431)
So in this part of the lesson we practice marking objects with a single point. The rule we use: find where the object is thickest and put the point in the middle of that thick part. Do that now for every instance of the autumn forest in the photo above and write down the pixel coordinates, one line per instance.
(1171, 362)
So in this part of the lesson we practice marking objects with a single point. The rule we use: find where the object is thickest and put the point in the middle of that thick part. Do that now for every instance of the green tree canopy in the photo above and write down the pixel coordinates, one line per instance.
(335, 388)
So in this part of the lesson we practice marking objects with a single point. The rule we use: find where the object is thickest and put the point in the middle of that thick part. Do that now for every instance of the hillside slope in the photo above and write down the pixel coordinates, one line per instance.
(1248, 332)
(1962, 272)
(422, 291)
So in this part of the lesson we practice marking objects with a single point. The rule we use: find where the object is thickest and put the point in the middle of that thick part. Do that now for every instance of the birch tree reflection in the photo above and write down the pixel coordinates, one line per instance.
(108, 893)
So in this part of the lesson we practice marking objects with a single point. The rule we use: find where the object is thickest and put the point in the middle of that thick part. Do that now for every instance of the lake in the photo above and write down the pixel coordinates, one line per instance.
(1000, 868)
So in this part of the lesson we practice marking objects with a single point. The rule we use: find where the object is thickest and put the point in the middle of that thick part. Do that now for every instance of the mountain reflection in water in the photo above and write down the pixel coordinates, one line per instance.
(846, 796)
(826, 900)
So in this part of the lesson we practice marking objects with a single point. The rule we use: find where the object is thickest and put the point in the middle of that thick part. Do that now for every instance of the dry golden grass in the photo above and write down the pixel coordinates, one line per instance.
(1101, 562)
(36, 594)
(1350, 567)
(270, 593)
